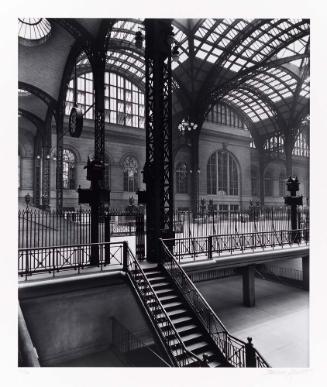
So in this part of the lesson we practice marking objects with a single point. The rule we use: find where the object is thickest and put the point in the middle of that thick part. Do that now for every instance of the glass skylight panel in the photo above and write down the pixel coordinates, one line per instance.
(208, 23)
(33, 28)
(213, 37)
(201, 54)
(196, 42)
(235, 67)
(211, 58)
(200, 32)
(287, 94)
(125, 30)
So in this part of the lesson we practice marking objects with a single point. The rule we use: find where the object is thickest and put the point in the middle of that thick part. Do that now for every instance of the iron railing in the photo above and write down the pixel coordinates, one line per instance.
(38, 228)
(75, 257)
(256, 219)
(206, 247)
(174, 345)
(236, 352)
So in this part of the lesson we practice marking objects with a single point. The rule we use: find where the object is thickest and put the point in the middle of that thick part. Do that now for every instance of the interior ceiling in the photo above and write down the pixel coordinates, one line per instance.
(260, 67)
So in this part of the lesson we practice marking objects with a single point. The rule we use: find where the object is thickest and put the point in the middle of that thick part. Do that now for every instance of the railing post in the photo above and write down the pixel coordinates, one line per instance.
(210, 247)
(107, 237)
(125, 256)
(27, 263)
(250, 358)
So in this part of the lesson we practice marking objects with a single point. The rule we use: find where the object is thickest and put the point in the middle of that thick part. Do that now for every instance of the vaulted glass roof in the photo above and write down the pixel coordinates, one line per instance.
(265, 60)
(248, 102)
(129, 62)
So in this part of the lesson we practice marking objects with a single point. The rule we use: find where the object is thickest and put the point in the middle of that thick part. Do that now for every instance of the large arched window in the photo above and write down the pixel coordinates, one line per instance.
(268, 184)
(301, 147)
(130, 168)
(222, 174)
(69, 165)
(181, 178)
(123, 101)
(224, 115)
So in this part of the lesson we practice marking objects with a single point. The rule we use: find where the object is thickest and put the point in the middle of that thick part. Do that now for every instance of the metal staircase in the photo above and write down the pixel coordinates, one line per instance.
(189, 331)
(183, 319)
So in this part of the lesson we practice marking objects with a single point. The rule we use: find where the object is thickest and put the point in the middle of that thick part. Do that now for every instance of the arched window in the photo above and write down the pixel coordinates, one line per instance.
(181, 178)
(268, 183)
(301, 147)
(223, 114)
(254, 181)
(130, 174)
(69, 162)
(282, 184)
(222, 174)
(123, 101)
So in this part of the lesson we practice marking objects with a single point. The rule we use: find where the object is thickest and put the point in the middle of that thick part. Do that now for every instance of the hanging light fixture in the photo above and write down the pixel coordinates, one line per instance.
(175, 53)
(139, 39)
(187, 126)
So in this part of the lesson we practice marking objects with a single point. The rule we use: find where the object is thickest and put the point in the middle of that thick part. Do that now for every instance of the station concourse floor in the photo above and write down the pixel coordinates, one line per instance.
(278, 323)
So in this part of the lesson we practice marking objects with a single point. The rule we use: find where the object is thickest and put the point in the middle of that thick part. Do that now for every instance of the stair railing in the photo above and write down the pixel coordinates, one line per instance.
(236, 352)
(168, 333)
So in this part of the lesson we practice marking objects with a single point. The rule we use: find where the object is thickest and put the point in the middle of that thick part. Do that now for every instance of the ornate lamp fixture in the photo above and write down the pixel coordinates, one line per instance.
(139, 39)
(187, 126)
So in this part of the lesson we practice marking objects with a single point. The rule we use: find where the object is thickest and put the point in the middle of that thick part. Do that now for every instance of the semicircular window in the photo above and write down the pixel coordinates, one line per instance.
(33, 31)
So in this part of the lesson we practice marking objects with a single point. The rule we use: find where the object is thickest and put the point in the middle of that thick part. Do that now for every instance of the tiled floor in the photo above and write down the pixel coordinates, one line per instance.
(278, 324)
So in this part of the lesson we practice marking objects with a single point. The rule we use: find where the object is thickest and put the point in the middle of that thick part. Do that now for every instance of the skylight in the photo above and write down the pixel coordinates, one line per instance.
(33, 30)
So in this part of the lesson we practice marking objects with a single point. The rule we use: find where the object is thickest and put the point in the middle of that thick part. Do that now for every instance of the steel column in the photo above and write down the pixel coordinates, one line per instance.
(98, 64)
(60, 165)
(195, 185)
(158, 112)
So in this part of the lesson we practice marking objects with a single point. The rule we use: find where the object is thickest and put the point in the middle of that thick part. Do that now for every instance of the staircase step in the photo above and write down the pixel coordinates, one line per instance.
(152, 273)
(173, 314)
(214, 364)
(160, 285)
(163, 292)
(181, 320)
(165, 299)
(176, 312)
(197, 347)
(172, 305)
(186, 329)
(188, 338)
(159, 278)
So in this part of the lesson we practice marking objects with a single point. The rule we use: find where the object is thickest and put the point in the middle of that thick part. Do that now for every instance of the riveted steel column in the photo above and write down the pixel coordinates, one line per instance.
(59, 157)
(46, 160)
(158, 167)
(98, 64)
(195, 175)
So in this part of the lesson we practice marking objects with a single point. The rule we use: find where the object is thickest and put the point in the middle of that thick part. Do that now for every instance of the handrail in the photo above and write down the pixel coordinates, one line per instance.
(69, 246)
(274, 232)
(53, 259)
(231, 242)
(161, 308)
(235, 350)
